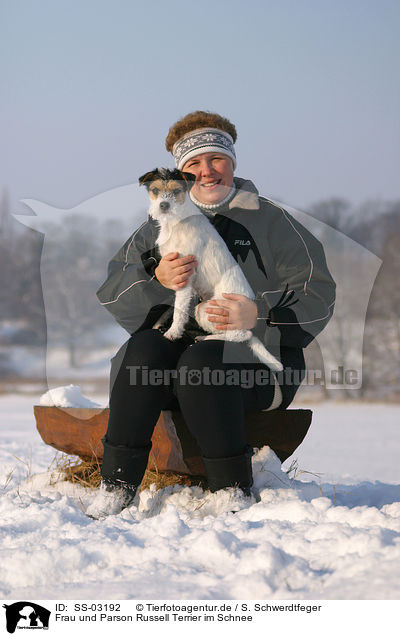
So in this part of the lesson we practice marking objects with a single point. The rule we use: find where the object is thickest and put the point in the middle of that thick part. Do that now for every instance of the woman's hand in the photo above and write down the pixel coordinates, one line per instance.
(236, 312)
(174, 272)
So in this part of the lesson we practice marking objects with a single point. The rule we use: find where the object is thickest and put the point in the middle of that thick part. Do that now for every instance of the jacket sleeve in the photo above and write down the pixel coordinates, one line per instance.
(131, 292)
(302, 300)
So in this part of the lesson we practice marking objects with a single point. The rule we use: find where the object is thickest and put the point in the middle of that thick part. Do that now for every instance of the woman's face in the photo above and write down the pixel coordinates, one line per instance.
(214, 176)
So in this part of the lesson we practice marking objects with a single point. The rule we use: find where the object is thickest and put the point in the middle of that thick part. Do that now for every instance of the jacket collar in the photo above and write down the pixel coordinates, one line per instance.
(246, 196)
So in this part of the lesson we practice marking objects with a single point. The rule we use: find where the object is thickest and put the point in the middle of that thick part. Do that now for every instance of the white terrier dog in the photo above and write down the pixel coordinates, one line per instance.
(186, 230)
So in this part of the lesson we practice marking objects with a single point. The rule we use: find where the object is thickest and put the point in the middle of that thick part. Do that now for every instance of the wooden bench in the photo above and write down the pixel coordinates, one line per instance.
(79, 431)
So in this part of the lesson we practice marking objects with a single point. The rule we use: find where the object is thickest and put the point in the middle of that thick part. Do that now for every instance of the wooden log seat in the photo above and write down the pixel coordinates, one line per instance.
(79, 431)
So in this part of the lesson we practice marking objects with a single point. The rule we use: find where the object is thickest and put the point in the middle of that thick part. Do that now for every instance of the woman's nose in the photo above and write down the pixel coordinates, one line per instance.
(206, 168)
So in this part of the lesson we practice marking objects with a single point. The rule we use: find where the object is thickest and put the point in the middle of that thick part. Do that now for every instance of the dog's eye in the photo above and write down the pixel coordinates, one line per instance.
(177, 191)
(154, 191)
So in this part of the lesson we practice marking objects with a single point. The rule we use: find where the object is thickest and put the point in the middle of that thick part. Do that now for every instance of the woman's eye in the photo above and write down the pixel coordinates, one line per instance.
(155, 191)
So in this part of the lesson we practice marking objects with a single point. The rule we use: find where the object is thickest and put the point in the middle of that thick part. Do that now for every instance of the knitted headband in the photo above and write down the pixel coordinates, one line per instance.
(203, 140)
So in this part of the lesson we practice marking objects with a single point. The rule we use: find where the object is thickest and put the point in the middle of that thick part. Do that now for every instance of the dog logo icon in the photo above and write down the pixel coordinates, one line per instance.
(26, 615)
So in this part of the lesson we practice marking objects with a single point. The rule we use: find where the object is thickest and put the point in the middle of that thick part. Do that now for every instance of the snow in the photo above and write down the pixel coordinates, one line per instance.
(328, 529)
(66, 396)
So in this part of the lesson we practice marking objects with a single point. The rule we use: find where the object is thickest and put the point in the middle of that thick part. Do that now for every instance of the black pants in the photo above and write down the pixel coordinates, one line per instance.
(150, 374)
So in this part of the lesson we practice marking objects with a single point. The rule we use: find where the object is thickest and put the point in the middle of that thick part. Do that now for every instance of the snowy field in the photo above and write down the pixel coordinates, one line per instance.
(329, 533)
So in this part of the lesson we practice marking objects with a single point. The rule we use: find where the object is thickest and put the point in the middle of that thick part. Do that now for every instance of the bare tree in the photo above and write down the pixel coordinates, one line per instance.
(72, 262)
(382, 346)
(336, 212)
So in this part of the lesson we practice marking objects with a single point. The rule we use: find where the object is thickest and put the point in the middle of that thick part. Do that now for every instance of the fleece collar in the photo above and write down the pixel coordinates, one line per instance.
(246, 196)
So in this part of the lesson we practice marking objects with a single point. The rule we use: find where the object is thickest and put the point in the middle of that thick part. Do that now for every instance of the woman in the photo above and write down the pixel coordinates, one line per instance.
(286, 268)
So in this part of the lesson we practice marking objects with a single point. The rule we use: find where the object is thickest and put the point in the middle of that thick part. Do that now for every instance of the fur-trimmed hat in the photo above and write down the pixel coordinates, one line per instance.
(200, 132)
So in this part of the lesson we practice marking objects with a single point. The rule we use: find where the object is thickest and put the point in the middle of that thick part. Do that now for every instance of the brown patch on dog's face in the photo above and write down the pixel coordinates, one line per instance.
(155, 188)
(176, 189)
(170, 188)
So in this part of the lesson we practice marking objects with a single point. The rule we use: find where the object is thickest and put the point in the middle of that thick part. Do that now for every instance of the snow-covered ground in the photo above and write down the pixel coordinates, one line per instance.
(329, 533)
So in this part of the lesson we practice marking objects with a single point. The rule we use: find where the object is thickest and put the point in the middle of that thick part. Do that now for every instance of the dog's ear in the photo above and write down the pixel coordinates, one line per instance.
(145, 179)
(189, 179)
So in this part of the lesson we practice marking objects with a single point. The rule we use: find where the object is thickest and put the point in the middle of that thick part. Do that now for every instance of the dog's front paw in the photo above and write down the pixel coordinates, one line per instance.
(172, 334)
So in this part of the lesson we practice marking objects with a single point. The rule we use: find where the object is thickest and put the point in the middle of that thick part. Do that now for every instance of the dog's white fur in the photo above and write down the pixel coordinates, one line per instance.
(186, 230)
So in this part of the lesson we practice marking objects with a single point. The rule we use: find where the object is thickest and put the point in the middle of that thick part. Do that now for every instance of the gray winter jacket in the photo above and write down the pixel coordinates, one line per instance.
(284, 264)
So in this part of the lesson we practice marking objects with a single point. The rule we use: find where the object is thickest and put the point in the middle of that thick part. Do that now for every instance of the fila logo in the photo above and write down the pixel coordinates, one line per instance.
(242, 242)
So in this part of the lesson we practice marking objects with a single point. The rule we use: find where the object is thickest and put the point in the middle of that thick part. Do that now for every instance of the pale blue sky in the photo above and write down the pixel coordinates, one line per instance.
(90, 89)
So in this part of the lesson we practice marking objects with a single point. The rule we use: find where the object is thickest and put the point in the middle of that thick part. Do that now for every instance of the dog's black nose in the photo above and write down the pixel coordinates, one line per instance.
(164, 205)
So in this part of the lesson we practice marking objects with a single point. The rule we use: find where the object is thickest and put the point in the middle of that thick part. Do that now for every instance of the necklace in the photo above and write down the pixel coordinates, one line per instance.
(214, 206)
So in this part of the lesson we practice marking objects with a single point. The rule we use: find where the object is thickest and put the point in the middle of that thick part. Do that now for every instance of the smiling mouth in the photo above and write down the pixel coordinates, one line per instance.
(212, 184)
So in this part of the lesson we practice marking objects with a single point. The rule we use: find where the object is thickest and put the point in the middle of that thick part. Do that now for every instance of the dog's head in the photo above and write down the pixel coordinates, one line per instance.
(167, 191)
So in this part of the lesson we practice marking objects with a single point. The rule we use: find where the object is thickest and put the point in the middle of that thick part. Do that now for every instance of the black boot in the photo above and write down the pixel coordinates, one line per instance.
(226, 472)
(122, 471)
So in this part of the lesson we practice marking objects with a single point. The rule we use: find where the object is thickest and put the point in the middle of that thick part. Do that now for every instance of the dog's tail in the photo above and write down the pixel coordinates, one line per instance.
(263, 354)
